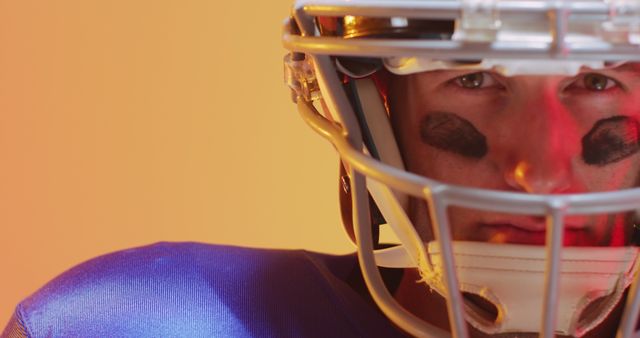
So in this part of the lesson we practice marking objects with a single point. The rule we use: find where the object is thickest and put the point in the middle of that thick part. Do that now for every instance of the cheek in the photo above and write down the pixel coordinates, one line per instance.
(452, 133)
(444, 146)
(610, 140)
(616, 176)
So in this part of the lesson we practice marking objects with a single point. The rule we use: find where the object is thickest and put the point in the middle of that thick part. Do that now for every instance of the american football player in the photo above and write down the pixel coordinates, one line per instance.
(488, 178)
(498, 142)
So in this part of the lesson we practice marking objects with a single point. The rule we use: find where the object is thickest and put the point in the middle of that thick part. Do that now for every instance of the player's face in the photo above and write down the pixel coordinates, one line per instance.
(534, 134)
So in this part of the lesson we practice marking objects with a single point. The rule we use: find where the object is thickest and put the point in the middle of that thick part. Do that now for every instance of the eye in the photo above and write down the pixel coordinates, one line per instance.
(476, 80)
(595, 82)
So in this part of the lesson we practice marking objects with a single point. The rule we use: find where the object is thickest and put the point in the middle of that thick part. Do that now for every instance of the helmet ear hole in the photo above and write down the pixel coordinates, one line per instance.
(346, 210)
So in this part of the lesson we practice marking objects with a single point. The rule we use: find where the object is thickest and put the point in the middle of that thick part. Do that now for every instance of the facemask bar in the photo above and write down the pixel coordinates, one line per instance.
(339, 102)
(617, 37)
(383, 298)
(349, 143)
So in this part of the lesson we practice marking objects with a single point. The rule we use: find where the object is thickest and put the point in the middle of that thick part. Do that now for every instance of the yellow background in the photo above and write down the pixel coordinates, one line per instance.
(124, 123)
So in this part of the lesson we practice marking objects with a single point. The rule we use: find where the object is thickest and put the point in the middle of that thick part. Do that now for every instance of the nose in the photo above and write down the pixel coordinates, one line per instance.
(542, 143)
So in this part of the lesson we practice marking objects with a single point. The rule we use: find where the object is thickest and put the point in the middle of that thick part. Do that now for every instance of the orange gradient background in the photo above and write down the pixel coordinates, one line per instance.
(124, 123)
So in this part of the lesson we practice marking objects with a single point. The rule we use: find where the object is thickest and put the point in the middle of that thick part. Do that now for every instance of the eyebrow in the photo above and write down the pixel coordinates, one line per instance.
(628, 67)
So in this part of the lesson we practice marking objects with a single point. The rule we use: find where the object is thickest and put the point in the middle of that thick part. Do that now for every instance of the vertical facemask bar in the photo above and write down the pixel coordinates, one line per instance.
(399, 315)
(440, 224)
(558, 17)
(627, 328)
(555, 233)
(398, 220)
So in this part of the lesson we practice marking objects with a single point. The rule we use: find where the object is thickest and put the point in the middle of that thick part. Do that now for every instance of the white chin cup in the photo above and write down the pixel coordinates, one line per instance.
(512, 278)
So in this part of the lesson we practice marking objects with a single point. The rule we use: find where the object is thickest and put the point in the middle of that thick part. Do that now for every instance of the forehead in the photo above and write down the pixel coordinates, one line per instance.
(505, 67)
(632, 67)
(626, 75)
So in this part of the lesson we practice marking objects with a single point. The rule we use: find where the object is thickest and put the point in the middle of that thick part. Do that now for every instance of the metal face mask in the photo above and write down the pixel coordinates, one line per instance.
(338, 48)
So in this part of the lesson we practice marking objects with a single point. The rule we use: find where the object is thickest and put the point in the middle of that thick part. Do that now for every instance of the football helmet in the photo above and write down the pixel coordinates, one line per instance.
(341, 51)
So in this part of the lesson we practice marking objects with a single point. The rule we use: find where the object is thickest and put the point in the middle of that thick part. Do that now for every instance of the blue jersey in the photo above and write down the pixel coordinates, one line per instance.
(200, 290)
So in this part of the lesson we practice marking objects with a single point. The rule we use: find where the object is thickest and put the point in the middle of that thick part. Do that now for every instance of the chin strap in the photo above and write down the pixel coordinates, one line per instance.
(511, 278)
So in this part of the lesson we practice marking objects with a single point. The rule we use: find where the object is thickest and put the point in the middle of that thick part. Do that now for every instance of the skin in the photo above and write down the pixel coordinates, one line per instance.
(450, 132)
(531, 134)
(610, 140)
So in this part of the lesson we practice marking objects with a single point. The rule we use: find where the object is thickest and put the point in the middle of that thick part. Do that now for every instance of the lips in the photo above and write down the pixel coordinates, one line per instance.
(530, 233)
